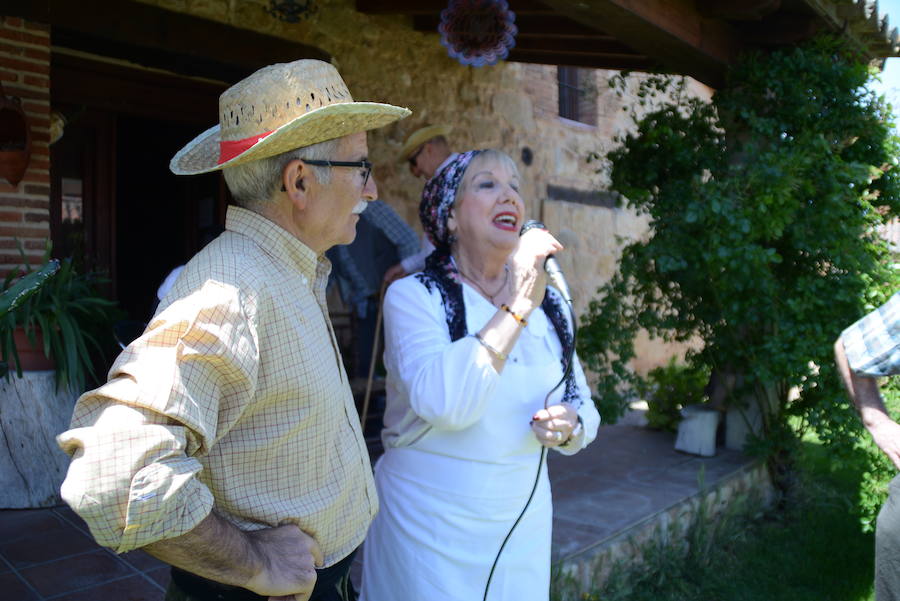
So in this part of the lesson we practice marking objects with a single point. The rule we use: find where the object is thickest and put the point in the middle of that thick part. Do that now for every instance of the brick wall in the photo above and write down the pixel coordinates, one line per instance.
(25, 74)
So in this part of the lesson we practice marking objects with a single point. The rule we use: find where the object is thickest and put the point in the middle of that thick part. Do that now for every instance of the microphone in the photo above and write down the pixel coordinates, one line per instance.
(551, 265)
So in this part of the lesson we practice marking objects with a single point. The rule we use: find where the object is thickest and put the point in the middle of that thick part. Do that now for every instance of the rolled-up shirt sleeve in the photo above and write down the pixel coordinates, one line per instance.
(872, 344)
(136, 442)
(448, 384)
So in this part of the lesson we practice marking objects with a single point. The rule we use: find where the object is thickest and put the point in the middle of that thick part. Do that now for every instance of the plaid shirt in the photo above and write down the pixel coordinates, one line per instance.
(235, 397)
(872, 344)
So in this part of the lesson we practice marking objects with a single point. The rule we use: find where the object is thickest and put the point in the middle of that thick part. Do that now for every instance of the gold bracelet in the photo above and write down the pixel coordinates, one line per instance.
(492, 350)
(522, 321)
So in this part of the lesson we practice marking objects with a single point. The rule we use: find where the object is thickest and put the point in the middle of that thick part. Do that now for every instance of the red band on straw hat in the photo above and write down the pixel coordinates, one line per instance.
(228, 149)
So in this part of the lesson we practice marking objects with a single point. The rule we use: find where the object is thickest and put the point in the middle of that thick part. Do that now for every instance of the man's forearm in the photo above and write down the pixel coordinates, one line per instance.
(862, 390)
(214, 549)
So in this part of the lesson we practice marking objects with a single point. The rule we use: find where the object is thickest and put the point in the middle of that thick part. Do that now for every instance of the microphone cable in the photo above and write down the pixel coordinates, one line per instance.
(568, 370)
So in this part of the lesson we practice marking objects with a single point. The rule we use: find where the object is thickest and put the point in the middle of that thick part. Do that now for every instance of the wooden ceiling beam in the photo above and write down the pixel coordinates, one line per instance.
(789, 29)
(429, 7)
(737, 10)
(594, 61)
(684, 40)
(549, 25)
(156, 32)
(588, 45)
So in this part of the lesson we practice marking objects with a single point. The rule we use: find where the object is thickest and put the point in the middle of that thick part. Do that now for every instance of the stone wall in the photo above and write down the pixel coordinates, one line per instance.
(510, 106)
(25, 75)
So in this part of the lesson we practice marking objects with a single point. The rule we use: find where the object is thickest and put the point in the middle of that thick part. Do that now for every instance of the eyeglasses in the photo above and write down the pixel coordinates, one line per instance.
(412, 160)
(365, 165)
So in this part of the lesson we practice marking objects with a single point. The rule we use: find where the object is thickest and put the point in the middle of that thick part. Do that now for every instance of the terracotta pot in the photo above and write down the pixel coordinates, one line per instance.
(31, 358)
(15, 139)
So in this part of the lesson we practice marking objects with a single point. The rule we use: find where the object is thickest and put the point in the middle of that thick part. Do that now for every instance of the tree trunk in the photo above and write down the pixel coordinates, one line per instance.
(32, 466)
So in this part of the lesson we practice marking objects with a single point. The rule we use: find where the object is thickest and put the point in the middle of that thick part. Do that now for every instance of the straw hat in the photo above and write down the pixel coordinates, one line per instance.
(420, 136)
(279, 108)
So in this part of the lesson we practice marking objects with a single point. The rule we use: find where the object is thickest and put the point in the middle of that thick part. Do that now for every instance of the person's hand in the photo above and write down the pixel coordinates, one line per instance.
(528, 281)
(554, 425)
(395, 272)
(886, 434)
(288, 558)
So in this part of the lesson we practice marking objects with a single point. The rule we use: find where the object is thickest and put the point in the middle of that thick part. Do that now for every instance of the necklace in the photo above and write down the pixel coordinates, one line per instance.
(482, 290)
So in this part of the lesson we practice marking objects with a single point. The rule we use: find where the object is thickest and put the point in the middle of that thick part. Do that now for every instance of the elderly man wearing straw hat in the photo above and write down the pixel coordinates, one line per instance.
(226, 441)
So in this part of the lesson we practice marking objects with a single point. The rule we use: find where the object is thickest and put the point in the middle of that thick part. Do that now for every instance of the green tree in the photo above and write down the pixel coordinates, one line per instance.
(763, 205)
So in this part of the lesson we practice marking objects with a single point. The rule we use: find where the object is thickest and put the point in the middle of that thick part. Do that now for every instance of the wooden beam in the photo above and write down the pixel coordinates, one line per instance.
(786, 30)
(141, 25)
(426, 7)
(672, 31)
(527, 25)
(574, 44)
(88, 83)
(737, 10)
(594, 61)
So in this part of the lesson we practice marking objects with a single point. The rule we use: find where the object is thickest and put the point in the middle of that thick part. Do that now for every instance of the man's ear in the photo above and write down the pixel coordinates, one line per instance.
(295, 182)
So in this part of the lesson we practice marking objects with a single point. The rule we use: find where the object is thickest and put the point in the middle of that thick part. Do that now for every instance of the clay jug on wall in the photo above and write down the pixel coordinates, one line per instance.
(15, 139)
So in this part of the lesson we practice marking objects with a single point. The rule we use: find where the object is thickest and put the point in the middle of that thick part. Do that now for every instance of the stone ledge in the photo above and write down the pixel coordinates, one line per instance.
(590, 566)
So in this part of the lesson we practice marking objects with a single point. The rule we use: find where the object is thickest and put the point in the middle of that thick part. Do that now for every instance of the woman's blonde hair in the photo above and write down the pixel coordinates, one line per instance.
(485, 156)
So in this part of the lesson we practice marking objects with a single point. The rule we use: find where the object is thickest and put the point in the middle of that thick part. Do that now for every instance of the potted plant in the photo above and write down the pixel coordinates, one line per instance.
(17, 293)
(668, 389)
(58, 314)
(60, 322)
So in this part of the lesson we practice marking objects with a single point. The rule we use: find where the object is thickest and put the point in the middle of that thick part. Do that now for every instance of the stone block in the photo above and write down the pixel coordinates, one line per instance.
(32, 466)
(697, 431)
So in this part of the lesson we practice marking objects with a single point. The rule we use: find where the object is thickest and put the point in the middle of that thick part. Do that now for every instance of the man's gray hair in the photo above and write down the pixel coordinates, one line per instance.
(255, 183)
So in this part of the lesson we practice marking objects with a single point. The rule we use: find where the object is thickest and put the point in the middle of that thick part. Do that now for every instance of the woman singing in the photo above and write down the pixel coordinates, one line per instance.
(473, 345)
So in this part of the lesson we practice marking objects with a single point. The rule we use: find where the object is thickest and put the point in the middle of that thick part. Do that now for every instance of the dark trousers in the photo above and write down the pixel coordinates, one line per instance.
(887, 547)
(332, 584)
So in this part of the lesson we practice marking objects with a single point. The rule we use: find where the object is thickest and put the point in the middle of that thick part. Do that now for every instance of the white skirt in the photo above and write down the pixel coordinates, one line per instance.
(429, 543)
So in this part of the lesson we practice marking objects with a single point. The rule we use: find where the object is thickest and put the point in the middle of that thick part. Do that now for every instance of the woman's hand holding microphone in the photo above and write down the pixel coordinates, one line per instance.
(528, 280)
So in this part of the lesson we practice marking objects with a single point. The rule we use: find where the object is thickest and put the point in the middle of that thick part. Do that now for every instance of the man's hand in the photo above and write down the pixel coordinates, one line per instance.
(289, 558)
(278, 561)
(395, 272)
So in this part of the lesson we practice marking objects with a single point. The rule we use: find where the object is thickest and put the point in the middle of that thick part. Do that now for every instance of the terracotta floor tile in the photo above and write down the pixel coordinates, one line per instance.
(76, 572)
(40, 544)
(19, 523)
(142, 561)
(162, 576)
(626, 475)
(135, 588)
(14, 589)
(64, 512)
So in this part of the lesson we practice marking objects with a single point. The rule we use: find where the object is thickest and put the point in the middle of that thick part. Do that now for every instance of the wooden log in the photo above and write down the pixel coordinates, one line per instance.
(32, 466)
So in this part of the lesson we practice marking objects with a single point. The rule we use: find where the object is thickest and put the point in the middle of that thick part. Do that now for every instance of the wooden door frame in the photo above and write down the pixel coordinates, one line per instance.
(105, 91)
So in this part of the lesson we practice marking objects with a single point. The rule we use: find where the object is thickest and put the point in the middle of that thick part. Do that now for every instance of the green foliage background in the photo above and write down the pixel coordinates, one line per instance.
(763, 205)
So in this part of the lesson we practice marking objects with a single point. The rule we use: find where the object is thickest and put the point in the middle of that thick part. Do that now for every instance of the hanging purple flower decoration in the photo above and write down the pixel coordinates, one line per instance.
(478, 32)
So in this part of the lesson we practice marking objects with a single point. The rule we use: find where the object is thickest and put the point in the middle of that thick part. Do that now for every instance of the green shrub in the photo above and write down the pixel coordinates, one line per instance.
(670, 387)
(764, 206)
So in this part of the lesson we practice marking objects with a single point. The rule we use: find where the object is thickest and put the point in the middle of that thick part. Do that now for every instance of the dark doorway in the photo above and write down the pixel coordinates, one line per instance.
(162, 219)
(115, 206)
